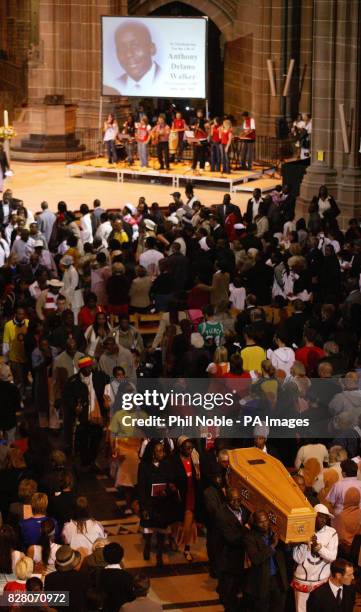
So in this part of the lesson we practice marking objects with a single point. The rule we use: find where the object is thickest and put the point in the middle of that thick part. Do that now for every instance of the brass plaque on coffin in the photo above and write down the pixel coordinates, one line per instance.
(265, 484)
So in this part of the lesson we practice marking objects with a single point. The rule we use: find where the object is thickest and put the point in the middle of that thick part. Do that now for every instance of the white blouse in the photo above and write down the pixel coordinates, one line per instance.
(93, 530)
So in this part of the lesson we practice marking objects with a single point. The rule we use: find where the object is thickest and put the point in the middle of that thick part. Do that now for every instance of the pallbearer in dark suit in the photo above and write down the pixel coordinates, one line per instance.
(230, 521)
(337, 594)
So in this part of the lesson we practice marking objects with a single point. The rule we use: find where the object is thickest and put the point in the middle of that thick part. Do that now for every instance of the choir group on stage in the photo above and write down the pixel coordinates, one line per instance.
(210, 139)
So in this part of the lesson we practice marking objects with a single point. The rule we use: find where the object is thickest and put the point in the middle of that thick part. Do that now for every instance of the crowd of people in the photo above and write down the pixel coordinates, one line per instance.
(261, 297)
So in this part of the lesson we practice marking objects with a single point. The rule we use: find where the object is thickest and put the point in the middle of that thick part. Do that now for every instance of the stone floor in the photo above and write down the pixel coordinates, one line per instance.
(179, 586)
(35, 182)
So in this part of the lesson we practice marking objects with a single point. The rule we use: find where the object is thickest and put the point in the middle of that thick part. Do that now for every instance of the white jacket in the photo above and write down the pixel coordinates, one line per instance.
(282, 358)
(312, 569)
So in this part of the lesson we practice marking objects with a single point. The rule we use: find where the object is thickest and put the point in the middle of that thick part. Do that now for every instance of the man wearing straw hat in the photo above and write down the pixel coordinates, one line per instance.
(67, 578)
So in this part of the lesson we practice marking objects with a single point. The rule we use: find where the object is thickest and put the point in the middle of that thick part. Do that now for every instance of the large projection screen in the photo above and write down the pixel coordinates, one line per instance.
(160, 57)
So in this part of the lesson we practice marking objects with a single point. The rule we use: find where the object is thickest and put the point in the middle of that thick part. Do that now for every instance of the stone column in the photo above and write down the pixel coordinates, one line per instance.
(336, 80)
(348, 92)
(323, 102)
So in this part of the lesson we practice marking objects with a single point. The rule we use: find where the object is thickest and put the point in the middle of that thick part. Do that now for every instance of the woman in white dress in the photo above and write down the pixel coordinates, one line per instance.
(86, 229)
(82, 531)
(43, 554)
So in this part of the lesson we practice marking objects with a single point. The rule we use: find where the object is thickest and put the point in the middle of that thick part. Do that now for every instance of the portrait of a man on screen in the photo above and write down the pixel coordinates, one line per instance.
(135, 51)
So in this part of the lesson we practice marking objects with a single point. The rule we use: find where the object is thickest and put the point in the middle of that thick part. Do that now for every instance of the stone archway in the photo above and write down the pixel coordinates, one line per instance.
(222, 13)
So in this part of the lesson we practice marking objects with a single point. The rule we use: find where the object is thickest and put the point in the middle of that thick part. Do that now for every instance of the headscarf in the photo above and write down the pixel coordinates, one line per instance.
(348, 522)
(194, 454)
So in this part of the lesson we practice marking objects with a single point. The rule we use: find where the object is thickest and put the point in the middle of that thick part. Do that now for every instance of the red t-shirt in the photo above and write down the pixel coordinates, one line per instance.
(178, 124)
(225, 136)
(86, 317)
(310, 356)
(13, 585)
(142, 133)
(215, 134)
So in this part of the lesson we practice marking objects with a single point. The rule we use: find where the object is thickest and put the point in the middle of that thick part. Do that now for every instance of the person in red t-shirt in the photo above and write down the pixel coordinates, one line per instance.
(179, 126)
(215, 140)
(87, 313)
(310, 354)
(225, 133)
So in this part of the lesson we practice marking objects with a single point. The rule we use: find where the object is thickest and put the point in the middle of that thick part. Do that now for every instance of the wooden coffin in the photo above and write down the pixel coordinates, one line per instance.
(265, 484)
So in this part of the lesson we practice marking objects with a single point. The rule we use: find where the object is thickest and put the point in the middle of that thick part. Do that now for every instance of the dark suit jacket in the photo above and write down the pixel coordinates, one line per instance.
(219, 233)
(73, 581)
(76, 391)
(117, 587)
(232, 541)
(258, 576)
(323, 600)
(123, 81)
(178, 476)
(249, 216)
(12, 202)
(223, 211)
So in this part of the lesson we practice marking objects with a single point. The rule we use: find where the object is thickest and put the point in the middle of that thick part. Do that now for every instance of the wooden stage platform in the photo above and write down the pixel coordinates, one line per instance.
(178, 172)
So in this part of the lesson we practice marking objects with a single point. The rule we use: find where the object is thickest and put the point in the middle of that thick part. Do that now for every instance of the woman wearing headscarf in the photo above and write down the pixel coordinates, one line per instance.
(348, 522)
(185, 474)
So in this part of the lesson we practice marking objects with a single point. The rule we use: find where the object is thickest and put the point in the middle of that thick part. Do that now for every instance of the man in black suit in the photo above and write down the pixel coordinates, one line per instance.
(266, 580)
(225, 208)
(115, 583)
(83, 401)
(135, 50)
(230, 521)
(337, 594)
(214, 499)
(217, 231)
(8, 205)
(253, 205)
(68, 578)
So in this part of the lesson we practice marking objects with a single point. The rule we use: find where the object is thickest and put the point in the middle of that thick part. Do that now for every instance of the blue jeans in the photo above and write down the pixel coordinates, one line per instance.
(215, 156)
(112, 152)
(143, 154)
(225, 159)
(131, 148)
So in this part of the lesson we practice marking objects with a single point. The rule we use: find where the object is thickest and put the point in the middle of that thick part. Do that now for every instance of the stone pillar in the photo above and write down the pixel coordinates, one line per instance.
(68, 59)
(305, 71)
(336, 80)
(348, 92)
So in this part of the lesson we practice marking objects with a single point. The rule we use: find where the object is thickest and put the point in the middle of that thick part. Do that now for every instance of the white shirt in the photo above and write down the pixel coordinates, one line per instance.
(255, 207)
(103, 232)
(6, 210)
(86, 230)
(237, 296)
(2, 256)
(335, 589)
(135, 88)
(251, 126)
(34, 289)
(8, 231)
(110, 133)
(75, 539)
(150, 260)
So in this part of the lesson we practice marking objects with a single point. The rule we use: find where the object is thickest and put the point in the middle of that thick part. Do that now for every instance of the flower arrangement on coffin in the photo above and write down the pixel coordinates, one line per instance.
(7, 132)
